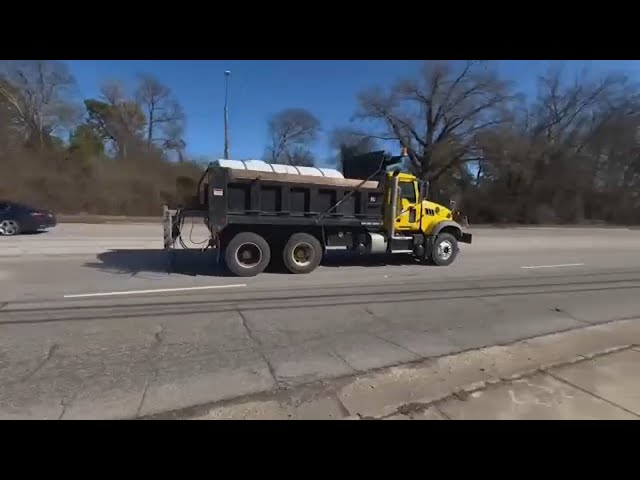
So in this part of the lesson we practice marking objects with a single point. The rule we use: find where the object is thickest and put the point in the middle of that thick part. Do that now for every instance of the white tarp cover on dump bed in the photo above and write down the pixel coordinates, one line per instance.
(260, 166)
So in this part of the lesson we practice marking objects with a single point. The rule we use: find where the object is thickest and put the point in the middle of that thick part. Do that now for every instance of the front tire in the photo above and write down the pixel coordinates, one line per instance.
(247, 254)
(444, 250)
(302, 253)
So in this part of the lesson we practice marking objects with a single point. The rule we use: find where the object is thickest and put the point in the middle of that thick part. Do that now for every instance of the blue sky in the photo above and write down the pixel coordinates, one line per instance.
(259, 88)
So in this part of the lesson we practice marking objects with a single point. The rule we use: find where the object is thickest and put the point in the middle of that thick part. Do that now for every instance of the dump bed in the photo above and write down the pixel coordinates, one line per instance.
(243, 195)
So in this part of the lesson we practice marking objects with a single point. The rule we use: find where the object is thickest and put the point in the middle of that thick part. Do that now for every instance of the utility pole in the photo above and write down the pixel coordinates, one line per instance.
(226, 113)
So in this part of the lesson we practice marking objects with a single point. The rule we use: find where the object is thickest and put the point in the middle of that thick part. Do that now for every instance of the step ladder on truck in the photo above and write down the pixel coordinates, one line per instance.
(258, 212)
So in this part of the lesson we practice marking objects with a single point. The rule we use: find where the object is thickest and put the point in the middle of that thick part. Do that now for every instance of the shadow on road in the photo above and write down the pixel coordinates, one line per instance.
(348, 259)
(131, 262)
(196, 263)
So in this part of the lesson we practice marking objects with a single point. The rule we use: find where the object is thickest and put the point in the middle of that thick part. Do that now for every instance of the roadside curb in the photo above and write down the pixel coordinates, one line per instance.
(417, 388)
(432, 406)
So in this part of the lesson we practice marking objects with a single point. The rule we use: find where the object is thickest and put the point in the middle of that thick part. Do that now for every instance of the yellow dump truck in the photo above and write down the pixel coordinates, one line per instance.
(258, 212)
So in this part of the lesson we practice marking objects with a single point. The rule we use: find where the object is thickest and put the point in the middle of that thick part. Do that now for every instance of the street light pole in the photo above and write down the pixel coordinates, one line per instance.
(226, 113)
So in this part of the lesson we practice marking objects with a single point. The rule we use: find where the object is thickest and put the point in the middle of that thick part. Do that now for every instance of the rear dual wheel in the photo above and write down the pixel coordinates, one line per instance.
(302, 253)
(247, 254)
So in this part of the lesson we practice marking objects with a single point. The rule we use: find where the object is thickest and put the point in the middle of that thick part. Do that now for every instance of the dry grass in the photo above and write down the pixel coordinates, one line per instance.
(102, 189)
(69, 184)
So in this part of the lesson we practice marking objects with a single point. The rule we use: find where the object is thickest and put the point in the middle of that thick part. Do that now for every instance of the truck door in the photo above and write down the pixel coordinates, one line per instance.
(408, 218)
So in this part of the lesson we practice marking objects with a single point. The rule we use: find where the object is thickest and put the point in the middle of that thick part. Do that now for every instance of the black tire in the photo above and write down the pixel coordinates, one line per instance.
(10, 228)
(247, 254)
(444, 250)
(302, 253)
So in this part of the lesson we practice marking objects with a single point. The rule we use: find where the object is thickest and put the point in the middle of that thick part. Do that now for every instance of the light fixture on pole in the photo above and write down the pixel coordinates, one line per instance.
(226, 113)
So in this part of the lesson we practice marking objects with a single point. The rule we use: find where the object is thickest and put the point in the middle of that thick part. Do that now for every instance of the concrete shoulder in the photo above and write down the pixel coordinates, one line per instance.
(583, 373)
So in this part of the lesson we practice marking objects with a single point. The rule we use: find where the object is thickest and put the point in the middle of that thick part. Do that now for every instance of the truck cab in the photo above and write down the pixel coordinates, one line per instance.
(413, 212)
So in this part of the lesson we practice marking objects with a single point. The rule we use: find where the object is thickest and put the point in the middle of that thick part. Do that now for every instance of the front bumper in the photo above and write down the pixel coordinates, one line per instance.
(43, 226)
(38, 223)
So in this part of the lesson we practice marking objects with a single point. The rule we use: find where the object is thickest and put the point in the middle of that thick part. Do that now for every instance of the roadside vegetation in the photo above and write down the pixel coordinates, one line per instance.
(570, 153)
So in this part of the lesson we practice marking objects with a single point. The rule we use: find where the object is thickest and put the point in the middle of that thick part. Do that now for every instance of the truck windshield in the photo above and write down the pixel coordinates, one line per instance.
(408, 191)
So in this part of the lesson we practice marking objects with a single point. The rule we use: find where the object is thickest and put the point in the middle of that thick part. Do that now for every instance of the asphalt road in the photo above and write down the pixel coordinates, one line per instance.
(89, 332)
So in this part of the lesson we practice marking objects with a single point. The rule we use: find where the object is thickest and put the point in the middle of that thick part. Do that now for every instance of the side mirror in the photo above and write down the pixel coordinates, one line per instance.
(424, 190)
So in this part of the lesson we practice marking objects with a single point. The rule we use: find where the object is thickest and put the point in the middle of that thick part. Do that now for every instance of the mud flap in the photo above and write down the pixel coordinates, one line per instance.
(167, 227)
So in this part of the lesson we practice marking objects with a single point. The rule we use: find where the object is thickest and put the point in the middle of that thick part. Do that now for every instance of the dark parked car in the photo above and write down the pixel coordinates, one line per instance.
(16, 218)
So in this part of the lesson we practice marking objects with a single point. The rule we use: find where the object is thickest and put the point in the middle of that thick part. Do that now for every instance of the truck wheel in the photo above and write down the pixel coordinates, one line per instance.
(302, 253)
(247, 254)
(444, 250)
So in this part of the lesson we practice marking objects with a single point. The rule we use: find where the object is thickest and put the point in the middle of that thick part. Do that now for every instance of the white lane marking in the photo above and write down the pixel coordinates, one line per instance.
(556, 266)
(570, 229)
(158, 290)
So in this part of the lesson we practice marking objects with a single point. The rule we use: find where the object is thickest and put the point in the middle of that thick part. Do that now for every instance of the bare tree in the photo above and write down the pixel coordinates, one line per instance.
(116, 118)
(165, 117)
(174, 141)
(10, 134)
(301, 157)
(567, 118)
(39, 93)
(127, 116)
(292, 131)
(439, 116)
(555, 158)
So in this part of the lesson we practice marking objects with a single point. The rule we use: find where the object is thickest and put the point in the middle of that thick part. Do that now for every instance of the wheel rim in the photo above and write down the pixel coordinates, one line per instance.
(248, 255)
(445, 250)
(8, 227)
(302, 254)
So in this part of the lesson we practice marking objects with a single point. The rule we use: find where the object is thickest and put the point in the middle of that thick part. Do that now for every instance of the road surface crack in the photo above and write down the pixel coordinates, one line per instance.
(378, 318)
(343, 409)
(408, 409)
(158, 338)
(402, 347)
(65, 403)
(570, 315)
(259, 348)
(437, 408)
(583, 390)
(144, 394)
(379, 337)
(42, 363)
(245, 324)
(344, 360)
(3, 304)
